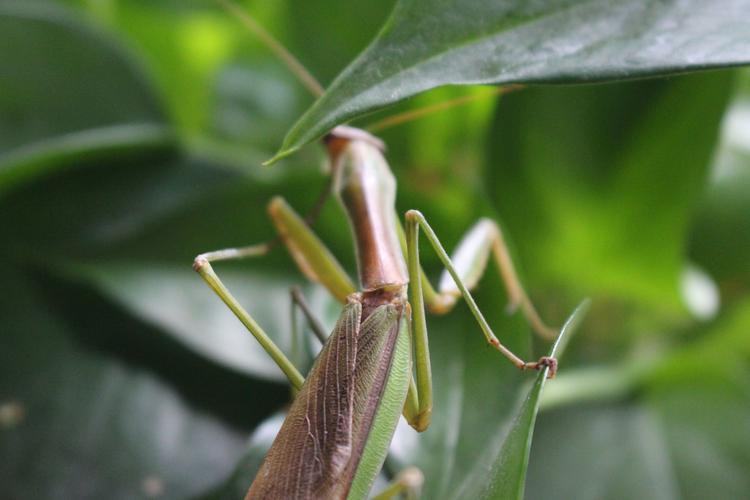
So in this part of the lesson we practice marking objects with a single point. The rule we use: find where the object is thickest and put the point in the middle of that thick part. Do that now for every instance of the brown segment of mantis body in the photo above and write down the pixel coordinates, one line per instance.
(366, 188)
(317, 451)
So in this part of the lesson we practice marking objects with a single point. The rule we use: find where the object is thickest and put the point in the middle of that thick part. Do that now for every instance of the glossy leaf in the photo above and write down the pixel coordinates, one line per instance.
(93, 415)
(176, 300)
(429, 43)
(47, 118)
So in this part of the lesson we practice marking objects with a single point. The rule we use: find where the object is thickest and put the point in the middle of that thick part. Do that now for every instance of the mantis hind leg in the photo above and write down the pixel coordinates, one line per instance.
(470, 260)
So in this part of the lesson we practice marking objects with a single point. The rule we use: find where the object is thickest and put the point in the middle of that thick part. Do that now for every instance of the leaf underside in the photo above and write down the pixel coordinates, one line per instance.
(429, 43)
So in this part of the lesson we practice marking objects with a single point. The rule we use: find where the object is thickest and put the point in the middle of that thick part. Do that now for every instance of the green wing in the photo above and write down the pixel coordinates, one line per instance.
(386, 418)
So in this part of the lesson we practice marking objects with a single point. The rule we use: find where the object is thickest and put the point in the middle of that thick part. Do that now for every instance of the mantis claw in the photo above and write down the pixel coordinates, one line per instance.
(544, 362)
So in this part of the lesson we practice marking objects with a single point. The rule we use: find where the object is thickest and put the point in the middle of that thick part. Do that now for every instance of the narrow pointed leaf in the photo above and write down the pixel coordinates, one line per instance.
(478, 443)
(429, 43)
(501, 473)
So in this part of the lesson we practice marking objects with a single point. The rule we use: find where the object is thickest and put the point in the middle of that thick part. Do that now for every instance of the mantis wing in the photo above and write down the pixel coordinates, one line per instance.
(317, 450)
(314, 444)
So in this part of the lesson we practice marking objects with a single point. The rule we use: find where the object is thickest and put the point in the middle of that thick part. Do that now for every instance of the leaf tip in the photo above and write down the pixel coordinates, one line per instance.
(571, 324)
(280, 155)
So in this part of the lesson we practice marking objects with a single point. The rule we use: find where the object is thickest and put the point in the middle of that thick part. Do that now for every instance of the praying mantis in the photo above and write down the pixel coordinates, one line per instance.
(375, 365)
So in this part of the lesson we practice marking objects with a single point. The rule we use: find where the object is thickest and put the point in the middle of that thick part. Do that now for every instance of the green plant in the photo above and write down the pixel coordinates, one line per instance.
(115, 173)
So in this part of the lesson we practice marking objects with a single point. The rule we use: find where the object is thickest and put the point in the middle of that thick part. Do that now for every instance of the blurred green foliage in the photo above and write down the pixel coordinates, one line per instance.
(130, 140)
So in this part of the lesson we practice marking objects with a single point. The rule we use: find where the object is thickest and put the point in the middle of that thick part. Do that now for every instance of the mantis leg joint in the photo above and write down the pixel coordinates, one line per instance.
(422, 420)
(199, 263)
(414, 215)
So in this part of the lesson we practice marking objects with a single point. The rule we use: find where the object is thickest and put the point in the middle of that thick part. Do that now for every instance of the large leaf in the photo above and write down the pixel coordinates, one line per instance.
(179, 302)
(137, 227)
(97, 206)
(429, 43)
(604, 179)
(95, 405)
(67, 93)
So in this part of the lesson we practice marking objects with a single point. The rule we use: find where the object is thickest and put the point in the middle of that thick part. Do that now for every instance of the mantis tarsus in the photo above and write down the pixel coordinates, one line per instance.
(375, 365)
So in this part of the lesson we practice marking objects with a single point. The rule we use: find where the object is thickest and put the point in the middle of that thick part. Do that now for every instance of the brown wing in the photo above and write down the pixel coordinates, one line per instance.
(314, 444)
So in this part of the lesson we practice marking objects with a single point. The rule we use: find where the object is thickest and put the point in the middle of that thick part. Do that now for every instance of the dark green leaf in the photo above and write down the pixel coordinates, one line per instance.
(175, 299)
(67, 92)
(720, 233)
(720, 236)
(97, 206)
(236, 485)
(429, 43)
(102, 408)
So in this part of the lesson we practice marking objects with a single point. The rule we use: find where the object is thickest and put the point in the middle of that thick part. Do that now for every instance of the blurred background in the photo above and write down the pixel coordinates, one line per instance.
(131, 137)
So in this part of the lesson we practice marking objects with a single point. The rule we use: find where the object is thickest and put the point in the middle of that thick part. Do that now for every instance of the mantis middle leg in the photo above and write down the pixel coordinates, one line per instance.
(471, 259)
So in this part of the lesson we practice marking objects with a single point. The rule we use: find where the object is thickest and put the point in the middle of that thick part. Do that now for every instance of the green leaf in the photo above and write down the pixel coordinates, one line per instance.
(132, 234)
(720, 235)
(509, 456)
(68, 93)
(679, 431)
(95, 405)
(429, 43)
(720, 232)
(73, 149)
(596, 184)
(237, 484)
(176, 300)
(483, 417)
(83, 211)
